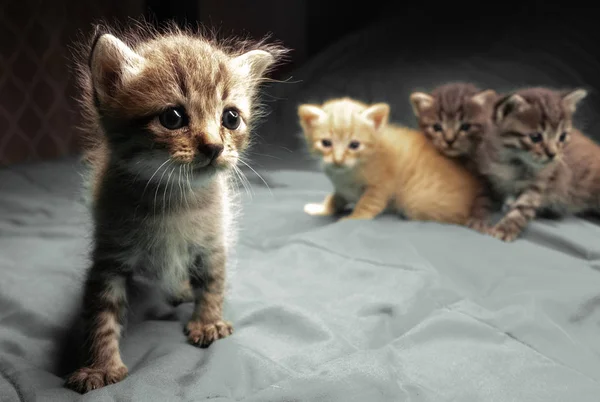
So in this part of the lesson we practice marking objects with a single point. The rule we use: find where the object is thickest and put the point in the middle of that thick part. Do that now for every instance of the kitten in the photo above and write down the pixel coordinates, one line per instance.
(535, 156)
(173, 112)
(376, 165)
(455, 117)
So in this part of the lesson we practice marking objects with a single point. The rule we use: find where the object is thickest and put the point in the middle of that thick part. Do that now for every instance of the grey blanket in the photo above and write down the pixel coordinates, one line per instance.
(383, 310)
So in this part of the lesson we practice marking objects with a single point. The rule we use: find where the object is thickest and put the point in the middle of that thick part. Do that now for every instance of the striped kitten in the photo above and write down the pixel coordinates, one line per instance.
(534, 156)
(173, 113)
(455, 117)
(377, 166)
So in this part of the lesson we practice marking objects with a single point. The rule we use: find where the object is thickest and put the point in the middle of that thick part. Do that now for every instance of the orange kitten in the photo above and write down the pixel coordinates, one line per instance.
(377, 166)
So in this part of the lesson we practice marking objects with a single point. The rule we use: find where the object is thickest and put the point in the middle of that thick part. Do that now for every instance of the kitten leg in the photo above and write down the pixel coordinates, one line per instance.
(333, 203)
(104, 305)
(480, 212)
(373, 202)
(208, 283)
(521, 212)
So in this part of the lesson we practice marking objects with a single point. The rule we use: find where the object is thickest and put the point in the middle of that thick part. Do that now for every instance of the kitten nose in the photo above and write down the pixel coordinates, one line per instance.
(211, 151)
(551, 155)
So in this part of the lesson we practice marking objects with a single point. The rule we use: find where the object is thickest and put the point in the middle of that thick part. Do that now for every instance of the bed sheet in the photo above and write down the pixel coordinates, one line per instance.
(382, 310)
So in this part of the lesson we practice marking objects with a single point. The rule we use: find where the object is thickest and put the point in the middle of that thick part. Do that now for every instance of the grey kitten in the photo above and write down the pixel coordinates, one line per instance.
(172, 113)
(535, 156)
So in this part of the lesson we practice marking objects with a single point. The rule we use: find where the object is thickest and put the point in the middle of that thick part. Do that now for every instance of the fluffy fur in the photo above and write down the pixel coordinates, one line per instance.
(376, 165)
(455, 117)
(535, 158)
(169, 115)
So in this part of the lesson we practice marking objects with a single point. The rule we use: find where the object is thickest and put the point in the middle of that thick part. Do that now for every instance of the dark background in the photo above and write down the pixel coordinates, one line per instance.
(38, 116)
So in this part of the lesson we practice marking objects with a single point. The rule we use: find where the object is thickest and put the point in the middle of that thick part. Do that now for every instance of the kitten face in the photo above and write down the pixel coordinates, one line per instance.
(534, 124)
(454, 116)
(343, 132)
(175, 100)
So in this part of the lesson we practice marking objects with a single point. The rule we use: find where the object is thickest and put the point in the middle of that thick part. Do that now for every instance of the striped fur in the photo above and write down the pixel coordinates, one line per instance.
(534, 155)
(162, 207)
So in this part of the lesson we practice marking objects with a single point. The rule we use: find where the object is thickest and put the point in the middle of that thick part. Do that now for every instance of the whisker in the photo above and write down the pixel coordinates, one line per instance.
(181, 190)
(172, 185)
(151, 177)
(164, 205)
(259, 176)
(157, 187)
(245, 180)
(189, 182)
(239, 173)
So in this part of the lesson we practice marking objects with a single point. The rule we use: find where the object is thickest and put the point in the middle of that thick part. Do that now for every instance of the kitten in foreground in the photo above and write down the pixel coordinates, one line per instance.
(534, 155)
(377, 165)
(455, 117)
(172, 112)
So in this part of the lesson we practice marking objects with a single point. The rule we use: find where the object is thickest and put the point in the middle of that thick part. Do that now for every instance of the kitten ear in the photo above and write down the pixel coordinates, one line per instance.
(572, 98)
(112, 62)
(420, 101)
(507, 105)
(377, 114)
(484, 98)
(311, 115)
(254, 63)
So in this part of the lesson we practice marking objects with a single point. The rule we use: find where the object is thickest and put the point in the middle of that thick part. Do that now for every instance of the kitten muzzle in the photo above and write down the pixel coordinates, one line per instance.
(208, 154)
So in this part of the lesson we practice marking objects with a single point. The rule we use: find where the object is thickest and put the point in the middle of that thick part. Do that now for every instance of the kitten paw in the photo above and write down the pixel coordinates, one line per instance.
(316, 210)
(89, 378)
(478, 225)
(503, 234)
(203, 335)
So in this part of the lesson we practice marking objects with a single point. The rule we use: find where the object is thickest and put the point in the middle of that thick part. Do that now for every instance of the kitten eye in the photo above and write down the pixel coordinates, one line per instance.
(437, 127)
(536, 137)
(231, 119)
(563, 136)
(173, 118)
(354, 145)
(465, 127)
(326, 143)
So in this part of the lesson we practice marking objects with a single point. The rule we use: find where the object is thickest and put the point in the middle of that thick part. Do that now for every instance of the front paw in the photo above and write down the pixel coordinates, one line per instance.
(504, 233)
(89, 378)
(203, 335)
(479, 225)
(316, 210)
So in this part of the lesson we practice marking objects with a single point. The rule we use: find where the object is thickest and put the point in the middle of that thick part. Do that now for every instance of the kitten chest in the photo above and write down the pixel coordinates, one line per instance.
(346, 183)
(168, 247)
(508, 179)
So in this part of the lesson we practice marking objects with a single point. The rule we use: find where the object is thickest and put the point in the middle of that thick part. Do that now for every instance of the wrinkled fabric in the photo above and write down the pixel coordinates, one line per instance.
(382, 310)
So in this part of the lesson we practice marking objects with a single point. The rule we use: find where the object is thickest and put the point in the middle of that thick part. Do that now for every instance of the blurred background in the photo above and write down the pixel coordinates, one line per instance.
(379, 51)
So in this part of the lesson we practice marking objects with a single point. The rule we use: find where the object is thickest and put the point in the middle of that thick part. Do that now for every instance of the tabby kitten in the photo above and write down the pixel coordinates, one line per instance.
(172, 111)
(535, 156)
(455, 117)
(376, 165)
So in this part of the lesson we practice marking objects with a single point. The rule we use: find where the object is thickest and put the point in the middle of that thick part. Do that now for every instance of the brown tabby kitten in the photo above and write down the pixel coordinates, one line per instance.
(173, 111)
(455, 117)
(534, 155)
